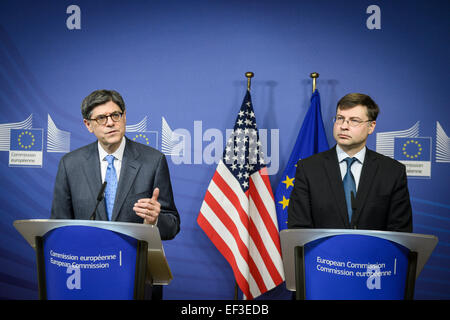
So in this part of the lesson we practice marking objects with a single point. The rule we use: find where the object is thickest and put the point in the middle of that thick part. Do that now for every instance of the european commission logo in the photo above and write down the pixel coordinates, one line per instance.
(415, 154)
(149, 138)
(172, 144)
(413, 151)
(138, 133)
(26, 146)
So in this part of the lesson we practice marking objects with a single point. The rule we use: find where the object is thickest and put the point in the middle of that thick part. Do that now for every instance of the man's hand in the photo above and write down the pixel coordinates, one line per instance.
(148, 208)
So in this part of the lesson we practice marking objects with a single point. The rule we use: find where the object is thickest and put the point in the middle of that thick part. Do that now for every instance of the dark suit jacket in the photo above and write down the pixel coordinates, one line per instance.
(382, 200)
(78, 183)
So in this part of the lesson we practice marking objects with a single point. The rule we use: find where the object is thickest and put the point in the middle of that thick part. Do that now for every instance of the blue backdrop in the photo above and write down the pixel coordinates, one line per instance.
(180, 67)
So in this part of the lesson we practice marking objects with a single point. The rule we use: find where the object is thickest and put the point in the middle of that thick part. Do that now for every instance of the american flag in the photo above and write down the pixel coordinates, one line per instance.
(238, 212)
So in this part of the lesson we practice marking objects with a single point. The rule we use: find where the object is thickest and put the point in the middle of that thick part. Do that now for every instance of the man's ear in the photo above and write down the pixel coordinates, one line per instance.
(372, 126)
(88, 125)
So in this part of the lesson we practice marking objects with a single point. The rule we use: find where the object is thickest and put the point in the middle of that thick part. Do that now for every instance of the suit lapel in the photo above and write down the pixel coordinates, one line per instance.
(335, 180)
(369, 169)
(91, 168)
(130, 168)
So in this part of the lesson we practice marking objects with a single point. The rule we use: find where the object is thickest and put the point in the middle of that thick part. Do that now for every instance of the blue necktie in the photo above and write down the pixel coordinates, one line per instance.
(349, 186)
(111, 186)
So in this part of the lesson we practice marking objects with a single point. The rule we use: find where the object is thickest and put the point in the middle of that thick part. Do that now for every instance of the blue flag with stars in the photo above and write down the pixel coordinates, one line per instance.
(26, 140)
(311, 139)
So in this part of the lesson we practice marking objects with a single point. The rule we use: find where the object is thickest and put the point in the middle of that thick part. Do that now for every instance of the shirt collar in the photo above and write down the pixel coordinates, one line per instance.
(118, 154)
(341, 154)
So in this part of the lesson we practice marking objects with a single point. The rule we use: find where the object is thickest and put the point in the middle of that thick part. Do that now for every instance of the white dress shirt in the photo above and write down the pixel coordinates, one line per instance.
(118, 154)
(356, 166)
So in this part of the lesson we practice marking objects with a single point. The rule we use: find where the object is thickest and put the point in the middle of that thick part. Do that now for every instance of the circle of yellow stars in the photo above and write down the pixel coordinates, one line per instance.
(24, 136)
(412, 143)
(141, 136)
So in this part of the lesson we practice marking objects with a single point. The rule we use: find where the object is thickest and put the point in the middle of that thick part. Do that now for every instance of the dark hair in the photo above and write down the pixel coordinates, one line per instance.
(354, 99)
(99, 97)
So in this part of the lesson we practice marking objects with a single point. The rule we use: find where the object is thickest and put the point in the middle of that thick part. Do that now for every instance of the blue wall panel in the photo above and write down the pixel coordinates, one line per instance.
(184, 61)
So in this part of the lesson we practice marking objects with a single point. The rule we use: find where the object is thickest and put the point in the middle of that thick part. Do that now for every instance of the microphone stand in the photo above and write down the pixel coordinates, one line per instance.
(100, 197)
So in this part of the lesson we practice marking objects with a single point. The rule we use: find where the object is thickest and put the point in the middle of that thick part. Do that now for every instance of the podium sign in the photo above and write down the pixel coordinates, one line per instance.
(353, 264)
(99, 264)
(336, 268)
(84, 259)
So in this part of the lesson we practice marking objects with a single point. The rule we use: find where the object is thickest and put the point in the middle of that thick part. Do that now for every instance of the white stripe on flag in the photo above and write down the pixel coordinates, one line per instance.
(270, 247)
(225, 173)
(261, 226)
(229, 240)
(266, 196)
(231, 211)
(256, 255)
(244, 236)
(229, 208)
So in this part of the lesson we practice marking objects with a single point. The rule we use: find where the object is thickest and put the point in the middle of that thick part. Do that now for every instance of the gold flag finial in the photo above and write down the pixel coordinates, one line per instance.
(249, 76)
(314, 76)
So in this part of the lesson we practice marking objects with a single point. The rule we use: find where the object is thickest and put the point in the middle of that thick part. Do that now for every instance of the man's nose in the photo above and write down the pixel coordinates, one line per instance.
(109, 122)
(345, 125)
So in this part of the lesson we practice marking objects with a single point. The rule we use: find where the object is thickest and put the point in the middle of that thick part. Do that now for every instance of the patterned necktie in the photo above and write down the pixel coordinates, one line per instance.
(349, 186)
(111, 186)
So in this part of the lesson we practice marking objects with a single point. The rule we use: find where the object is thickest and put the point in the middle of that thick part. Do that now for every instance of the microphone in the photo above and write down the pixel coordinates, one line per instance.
(353, 203)
(100, 197)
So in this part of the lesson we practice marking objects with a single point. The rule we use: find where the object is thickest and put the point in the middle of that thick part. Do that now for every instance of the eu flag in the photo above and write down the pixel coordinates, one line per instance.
(311, 139)
(26, 140)
(149, 138)
(412, 149)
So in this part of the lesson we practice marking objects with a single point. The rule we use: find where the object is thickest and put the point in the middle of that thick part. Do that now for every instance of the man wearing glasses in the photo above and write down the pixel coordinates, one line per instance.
(138, 185)
(350, 186)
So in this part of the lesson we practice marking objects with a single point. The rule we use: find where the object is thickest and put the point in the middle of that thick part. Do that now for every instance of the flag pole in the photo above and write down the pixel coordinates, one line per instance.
(249, 76)
(314, 76)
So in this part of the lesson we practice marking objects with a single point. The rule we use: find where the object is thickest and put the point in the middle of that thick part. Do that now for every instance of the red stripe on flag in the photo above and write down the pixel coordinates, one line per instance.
(226, 189)
(265, 216)
(265, 177)
(273, 233)
(259, 243)
(232, 228)
(260, 246)
(226, 252)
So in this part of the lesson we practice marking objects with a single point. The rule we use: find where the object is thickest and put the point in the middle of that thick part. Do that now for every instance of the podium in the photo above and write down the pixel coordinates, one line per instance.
(84, 259)
(345, 264)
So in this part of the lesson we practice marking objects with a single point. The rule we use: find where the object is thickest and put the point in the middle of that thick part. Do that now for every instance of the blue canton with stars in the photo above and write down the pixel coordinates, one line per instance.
(243, 155)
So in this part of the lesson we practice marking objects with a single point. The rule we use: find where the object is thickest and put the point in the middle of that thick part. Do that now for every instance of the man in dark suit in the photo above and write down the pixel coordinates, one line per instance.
(138, 182)
(142, 188)
(350, 186)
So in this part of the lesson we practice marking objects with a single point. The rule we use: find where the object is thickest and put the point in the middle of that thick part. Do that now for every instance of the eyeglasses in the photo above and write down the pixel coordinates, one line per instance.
(351, 122)
(103, 118)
